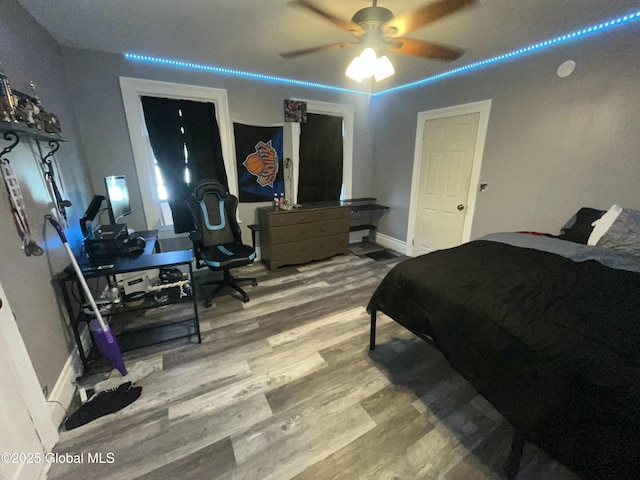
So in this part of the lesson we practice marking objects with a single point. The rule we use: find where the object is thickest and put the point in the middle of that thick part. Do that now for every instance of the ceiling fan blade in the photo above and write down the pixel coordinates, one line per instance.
(410, 21)
(418, 48)
(339, 22)
(321, 48)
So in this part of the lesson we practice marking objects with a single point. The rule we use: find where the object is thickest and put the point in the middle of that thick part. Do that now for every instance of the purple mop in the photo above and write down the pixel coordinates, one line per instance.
(102, 336)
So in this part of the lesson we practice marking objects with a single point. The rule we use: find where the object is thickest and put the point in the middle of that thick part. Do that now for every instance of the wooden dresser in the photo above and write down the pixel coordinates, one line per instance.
(302, 235)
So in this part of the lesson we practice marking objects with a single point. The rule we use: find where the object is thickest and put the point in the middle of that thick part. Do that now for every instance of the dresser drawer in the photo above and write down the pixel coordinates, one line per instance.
(291, 249)
(292, 233)
(332, 227)
(304, 231)
(331, 245)
(307, 216)
(289, 218)
(331, 213)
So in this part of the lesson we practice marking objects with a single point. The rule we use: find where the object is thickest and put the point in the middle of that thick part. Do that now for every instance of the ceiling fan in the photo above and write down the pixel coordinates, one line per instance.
(377, 27)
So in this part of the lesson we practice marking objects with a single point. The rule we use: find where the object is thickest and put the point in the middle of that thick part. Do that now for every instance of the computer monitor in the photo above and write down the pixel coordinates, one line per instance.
(118, 197)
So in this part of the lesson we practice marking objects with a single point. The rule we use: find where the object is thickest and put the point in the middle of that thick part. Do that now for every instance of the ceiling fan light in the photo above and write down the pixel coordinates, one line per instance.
(363, 66)
(384, 68)
(354, 70)
(368, 62)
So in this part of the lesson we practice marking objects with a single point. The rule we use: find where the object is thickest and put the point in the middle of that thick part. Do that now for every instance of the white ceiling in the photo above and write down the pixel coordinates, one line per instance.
(248, 34)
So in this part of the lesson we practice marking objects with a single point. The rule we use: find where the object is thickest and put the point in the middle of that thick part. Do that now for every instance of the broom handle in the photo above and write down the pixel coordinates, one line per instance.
(76, 267)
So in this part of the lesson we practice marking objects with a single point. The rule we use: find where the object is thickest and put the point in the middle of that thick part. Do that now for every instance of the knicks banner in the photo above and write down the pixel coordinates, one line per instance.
(259, 161)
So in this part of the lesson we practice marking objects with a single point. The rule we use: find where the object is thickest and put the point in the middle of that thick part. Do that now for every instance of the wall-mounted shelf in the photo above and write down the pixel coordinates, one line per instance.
(12, 132)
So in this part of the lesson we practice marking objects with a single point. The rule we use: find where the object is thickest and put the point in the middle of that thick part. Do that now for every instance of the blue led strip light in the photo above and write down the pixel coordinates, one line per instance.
(516, 53)
(479, 64)
(237, 73)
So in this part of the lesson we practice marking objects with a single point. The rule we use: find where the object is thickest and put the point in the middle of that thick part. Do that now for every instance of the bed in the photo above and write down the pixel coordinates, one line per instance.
(546, 329)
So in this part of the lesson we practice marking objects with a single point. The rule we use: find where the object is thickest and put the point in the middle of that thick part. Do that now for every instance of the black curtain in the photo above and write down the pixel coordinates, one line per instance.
(169, 132)
(320, 171)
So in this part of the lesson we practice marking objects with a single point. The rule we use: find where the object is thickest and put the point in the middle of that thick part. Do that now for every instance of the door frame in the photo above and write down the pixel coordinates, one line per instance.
(483, 108)
(19, 362)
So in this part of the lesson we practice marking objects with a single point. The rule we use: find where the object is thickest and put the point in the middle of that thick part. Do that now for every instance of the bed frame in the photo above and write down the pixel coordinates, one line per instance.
(512, 466)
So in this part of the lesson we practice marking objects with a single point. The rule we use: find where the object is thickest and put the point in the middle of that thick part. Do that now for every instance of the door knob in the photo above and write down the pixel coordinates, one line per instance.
(461, 207)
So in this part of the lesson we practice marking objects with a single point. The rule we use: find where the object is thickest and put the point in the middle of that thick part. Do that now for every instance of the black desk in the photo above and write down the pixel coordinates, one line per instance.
(152, 322)
(365, 213)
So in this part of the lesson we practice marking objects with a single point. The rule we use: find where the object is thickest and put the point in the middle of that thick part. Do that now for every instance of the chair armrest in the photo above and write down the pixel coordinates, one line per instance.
(195, 237)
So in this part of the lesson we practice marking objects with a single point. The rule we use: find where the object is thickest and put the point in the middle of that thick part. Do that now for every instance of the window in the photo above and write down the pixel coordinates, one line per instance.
(185, 140)
(325, 108)
(166, 219)
(154, 198)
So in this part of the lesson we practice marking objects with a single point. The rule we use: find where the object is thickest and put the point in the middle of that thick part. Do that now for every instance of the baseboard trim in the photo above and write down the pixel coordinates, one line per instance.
(64, 390)
(391, 243)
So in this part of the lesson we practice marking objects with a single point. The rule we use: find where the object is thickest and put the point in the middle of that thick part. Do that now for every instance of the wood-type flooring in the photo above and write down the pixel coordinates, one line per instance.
(285, 387)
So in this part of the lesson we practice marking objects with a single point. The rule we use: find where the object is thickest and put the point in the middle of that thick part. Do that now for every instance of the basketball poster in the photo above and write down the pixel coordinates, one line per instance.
(259, 162)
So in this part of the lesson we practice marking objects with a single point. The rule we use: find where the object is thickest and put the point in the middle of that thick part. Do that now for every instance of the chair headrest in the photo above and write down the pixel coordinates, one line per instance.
(209, 187)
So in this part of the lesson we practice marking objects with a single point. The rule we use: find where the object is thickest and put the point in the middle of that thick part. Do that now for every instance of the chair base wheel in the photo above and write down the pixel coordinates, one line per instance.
(229, 281)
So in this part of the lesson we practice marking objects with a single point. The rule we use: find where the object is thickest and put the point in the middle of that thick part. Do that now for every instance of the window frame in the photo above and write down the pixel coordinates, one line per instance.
(337, 110)
(132, 89)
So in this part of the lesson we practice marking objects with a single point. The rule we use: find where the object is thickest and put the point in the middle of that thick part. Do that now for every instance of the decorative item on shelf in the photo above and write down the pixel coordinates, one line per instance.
(31, 112)
(51, 122)
(28, 112)
(7, 101)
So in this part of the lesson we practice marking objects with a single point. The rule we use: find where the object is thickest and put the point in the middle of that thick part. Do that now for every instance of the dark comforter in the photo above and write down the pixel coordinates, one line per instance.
(552, 343)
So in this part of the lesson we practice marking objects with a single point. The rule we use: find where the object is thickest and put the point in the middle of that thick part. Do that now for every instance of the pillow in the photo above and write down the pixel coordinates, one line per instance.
(579, 227)
(624, 233)
(602, 225)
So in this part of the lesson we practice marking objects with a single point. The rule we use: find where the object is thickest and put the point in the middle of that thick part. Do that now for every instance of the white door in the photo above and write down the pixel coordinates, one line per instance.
(21, 445)
(446, 170)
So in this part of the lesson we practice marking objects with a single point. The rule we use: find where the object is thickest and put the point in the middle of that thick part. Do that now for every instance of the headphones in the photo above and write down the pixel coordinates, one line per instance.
(170, 275)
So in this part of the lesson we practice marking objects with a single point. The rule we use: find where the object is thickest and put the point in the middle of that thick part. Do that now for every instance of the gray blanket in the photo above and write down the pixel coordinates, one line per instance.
(574, 251)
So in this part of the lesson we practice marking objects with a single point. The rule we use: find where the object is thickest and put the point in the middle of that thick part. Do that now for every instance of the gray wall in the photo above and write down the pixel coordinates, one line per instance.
(553, 145)
(29, 54)
(94, 80)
